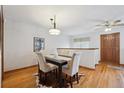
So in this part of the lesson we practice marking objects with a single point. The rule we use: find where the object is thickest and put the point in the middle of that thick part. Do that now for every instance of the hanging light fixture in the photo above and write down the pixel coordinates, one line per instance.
(108, 29)
(54, 30)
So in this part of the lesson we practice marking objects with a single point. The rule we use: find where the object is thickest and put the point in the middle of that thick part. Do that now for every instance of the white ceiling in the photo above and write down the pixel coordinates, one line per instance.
(71, 19)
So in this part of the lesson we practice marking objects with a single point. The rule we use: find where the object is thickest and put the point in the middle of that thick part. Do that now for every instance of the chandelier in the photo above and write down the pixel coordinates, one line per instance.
(54, 30)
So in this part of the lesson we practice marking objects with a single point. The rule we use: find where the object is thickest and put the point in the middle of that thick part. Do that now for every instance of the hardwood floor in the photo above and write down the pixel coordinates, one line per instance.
(20, 78)
(104, 76)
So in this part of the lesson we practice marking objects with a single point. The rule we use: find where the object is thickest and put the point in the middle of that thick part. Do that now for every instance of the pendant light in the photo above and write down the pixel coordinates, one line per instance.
(54, 30)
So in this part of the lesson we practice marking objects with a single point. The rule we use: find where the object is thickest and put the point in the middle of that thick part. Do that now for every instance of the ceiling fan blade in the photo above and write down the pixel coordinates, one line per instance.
(122, 24)
(116, 21)
(110, 24)
(101, 24)
(97, 28)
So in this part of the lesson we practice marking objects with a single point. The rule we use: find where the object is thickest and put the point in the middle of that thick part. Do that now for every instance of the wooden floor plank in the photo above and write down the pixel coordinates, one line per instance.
(102, 77)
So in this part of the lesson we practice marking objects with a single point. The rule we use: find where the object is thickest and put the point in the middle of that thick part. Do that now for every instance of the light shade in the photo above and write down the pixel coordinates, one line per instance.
(108, 29)
(54, 31)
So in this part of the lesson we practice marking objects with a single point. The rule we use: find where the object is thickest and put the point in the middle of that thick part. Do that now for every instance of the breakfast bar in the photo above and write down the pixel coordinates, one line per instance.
(89, 56)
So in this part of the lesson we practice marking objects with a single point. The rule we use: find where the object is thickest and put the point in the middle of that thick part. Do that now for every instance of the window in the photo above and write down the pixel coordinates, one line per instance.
(81, 42)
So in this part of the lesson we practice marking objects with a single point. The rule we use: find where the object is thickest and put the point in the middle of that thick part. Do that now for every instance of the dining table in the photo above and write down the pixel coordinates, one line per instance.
(60, 61)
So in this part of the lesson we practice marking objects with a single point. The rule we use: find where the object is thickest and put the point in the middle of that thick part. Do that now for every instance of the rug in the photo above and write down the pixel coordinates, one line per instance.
(51, 82)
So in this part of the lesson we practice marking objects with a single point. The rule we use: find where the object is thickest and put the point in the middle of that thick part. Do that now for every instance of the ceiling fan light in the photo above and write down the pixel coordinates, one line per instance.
(108, 29)
(54, 31)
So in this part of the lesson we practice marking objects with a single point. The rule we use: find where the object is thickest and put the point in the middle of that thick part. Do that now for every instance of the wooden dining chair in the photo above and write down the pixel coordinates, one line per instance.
(73, 67)
(44, 67)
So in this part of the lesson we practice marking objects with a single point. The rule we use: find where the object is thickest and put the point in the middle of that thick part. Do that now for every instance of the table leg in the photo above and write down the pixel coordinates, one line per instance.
(60, 76)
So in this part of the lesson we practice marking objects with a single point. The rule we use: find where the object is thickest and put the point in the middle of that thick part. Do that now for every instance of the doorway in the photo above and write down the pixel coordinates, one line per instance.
(110, 48)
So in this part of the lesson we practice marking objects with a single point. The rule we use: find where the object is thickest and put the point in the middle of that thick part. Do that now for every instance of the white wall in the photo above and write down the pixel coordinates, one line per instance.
(95, 40)
(19, 43)
(93, 37)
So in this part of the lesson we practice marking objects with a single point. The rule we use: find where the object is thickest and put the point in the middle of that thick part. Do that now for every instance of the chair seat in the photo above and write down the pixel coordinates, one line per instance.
(52, 66)
(49, 67)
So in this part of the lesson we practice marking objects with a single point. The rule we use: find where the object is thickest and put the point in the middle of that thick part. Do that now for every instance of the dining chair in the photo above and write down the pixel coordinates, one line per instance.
(44, 67)
(73, 67)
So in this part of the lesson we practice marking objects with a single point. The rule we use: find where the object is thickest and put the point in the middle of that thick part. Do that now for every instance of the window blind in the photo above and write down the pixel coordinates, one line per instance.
(81, 39)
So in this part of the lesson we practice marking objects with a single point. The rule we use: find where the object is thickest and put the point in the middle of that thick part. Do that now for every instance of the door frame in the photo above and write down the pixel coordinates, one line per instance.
(2, 43)
(101, 46)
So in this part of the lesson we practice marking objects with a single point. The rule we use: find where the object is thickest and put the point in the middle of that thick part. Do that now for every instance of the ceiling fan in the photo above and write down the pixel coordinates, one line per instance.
(110, 24)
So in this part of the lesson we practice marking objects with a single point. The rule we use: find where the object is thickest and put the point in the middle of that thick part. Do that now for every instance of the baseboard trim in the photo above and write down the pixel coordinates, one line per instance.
(37, 65)
(88, 68)
(20, 68)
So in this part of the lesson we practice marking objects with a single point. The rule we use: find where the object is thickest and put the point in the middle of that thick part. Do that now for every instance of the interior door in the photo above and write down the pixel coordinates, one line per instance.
(110, 48)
